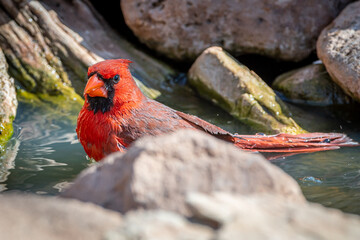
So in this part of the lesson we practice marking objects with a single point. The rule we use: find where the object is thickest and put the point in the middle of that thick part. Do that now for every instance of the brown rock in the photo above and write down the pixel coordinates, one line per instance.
(157, 172)
(339, 49)
(310, 85)
(268, 217)
(221, 79)
(183, 29)
(35, 217)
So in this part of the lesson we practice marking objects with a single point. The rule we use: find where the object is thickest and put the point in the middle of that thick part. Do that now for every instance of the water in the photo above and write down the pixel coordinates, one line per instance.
(48, 153)
(44, 154)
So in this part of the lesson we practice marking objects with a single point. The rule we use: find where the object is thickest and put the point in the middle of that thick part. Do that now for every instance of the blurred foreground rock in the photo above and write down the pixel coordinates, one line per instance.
(35, 217)
(310, 85)
(181, 30)
(213, 216)
(221, 79)
(339, 49)
(159, 225)
(50, 44)
(269, 217)
(157, 172)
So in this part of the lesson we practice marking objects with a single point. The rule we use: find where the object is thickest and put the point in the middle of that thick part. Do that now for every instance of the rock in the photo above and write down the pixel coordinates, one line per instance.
(263, 216)
(220, 78)
(157, 172)
(27, 35)
(8, 107)
(268, 217)
(338, 47)
(161, 225)
(8, 103)
(35, 217)
(7, 160)
(50, 44)
(310, 85)
(181, 30)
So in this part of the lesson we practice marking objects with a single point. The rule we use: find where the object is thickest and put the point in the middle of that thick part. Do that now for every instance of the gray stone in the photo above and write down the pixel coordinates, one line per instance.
(221, 79)
(37, 217)
(339, 49)
(269, 217)
(157, 173)
(283, 29)
(159, 225)
(310, 85)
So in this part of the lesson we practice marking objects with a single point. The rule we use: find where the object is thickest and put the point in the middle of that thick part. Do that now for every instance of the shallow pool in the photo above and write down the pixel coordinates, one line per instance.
(44, 155)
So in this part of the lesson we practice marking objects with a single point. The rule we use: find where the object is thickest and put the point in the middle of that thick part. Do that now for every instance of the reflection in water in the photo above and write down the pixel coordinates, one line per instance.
(49, 156)
(7, 161)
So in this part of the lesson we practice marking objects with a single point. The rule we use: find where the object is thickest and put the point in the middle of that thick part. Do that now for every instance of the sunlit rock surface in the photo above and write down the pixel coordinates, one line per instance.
(159, 224)
(8, 107)
(8, 102)
(285, 29)
(213, 216)
(26, 216)
(268, 217)
(339, 49)
(157, 172)
(221, 79)
(310, 85)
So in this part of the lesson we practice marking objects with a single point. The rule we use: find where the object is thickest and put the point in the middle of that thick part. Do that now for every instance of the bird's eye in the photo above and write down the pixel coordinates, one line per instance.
(116, 78)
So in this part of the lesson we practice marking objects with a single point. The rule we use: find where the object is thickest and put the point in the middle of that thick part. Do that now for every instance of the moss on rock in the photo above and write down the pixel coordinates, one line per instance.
(220, 78)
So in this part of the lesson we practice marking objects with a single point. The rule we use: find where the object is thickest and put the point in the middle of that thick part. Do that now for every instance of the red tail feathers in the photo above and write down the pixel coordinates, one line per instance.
(288, 143)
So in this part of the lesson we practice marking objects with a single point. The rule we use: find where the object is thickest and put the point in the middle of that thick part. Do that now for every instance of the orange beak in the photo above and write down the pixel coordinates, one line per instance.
(95, 87)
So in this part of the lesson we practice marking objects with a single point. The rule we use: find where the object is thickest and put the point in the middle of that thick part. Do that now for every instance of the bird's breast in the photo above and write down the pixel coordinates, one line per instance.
(97, 133)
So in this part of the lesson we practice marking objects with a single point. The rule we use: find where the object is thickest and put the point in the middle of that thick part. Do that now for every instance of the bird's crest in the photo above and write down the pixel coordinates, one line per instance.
(108, 68)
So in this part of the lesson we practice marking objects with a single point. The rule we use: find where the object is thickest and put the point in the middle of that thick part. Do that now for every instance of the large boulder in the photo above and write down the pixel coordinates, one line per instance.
(180, 30)
(310, 85)
(36, 217)
(221, 79)
(339, 49)
(268, 217)
(157, 172)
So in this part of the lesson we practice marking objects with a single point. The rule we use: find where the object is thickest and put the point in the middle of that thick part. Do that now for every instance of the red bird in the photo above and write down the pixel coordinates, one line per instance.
(116, 113)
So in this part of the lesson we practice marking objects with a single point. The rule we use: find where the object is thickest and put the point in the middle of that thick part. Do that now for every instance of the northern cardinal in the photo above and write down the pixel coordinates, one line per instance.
(116, 113)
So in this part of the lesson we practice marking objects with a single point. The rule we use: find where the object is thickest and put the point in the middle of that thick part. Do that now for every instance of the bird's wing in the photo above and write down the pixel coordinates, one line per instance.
(205, 126)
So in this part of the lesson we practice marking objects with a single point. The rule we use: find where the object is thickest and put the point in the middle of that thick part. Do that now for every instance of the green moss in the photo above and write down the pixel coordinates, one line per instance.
(45, 76)
(64, 107)
(6, 131)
